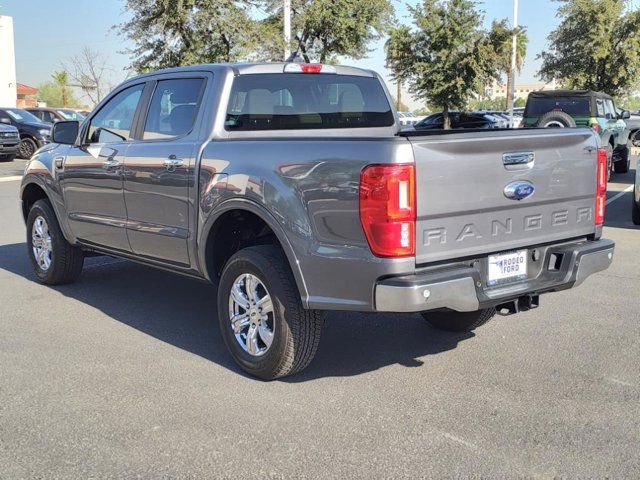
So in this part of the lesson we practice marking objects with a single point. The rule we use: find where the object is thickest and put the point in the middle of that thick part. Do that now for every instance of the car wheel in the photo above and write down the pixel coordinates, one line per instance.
(262, 321)
(54, 260)
(624, 161)
(635, 208)
(27, 148)
(635, 138)
(459, 321)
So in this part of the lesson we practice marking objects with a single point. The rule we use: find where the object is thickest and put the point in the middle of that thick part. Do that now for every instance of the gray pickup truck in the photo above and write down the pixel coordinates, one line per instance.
(291, 187)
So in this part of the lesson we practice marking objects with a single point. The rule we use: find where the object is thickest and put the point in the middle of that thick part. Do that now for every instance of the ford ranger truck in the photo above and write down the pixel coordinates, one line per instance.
(292, 189)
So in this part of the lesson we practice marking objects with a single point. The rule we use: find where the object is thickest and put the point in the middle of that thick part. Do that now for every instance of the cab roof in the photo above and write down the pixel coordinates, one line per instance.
(569, 93)
(246, 68)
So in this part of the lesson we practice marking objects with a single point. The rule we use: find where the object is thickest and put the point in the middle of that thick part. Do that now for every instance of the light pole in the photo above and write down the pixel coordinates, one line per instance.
(287, 29)
(512, 73)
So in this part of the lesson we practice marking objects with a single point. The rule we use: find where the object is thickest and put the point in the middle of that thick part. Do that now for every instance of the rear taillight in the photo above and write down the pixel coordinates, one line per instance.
(388, 209)
(601, 186)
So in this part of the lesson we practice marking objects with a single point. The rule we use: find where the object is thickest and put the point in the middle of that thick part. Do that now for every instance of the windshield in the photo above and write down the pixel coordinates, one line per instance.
(294, 101)
(570, 105)
(71, 115)
(20, 115)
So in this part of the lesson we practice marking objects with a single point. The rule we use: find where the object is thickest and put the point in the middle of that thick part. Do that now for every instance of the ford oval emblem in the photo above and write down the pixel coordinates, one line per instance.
(519, 190)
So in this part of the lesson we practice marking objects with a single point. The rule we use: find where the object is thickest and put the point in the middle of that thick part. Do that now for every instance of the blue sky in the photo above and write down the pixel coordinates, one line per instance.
(47, 32)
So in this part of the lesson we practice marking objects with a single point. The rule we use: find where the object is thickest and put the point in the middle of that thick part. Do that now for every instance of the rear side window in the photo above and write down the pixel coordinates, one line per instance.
(570, 105)
(291, 101)
(173, 108)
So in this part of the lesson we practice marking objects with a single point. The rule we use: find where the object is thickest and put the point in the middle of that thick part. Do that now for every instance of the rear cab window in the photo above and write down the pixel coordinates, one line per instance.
(292, 101)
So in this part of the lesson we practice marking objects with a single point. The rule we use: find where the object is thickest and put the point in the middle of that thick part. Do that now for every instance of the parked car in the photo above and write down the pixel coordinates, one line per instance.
(633, 125)
(312, 201)
(501, 119)
(53, 115)
(583, 108)
(459, 120)
(9, 141)
(33, 133)
(408, 118)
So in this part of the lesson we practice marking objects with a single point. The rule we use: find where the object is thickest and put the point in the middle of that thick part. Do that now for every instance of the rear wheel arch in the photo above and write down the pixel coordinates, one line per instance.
(256, 226)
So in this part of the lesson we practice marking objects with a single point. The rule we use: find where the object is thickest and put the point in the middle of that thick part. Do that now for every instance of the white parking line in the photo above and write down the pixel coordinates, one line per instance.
(11, 179)
(619, 194)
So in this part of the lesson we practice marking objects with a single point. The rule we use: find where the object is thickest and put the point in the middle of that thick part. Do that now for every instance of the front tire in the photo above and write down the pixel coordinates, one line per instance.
(459, 321)
(262, 321)
(54, 260)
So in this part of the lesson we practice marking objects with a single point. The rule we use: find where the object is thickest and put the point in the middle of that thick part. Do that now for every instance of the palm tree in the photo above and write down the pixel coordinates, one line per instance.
(61, 79)
(522, 40)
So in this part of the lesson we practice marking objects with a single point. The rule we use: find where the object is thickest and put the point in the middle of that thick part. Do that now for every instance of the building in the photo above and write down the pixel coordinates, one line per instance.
(8, 85)
(522, 90)
(26, 96)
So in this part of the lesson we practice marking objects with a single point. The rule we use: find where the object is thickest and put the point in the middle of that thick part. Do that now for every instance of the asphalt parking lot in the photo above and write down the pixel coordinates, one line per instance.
(125, 374)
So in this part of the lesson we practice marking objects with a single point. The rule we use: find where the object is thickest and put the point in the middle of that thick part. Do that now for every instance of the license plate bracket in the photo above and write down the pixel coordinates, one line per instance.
(507, 267)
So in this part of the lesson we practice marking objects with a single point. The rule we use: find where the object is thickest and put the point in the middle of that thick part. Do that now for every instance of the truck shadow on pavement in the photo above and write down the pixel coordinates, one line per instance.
(182, 312)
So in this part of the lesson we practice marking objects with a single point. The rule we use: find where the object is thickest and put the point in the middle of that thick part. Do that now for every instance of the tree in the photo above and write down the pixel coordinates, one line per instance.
(595, 47)
(486, 104)
(170, 33)
(448, 57)
(53, 94)
(396, 57)
(502, 37)
(325, 29)
(61, 80)
(89, 71)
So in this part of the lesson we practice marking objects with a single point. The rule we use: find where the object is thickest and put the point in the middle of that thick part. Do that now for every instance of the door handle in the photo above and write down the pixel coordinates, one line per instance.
(173, 162)
(111, 163)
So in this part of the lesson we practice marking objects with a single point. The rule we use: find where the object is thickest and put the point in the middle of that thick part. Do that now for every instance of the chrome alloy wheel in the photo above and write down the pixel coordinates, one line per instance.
(554, 124)
(251, 314)
(41, 243)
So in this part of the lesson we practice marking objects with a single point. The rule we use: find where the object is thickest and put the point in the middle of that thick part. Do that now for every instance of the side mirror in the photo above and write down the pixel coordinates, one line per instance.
(5, 120)
(65, 132)
(625, 115)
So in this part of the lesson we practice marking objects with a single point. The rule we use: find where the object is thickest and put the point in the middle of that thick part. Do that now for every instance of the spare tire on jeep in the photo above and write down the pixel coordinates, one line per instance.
(556, 120)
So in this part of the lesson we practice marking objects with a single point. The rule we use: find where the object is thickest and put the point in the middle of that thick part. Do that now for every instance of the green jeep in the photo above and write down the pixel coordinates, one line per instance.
(583, 108)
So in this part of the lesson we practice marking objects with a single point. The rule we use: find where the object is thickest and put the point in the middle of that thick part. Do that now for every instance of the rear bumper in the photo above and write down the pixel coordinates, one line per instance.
(462, 287)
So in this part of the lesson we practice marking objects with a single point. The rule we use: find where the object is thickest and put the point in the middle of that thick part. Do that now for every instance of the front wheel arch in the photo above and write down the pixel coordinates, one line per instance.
(31, 193)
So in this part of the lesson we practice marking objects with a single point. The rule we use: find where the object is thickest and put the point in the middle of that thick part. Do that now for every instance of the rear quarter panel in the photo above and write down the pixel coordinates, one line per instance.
(308, 190)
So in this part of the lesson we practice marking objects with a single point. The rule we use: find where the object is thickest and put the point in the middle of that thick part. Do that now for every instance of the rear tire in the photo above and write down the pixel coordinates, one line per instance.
(27, 148)
(609, 150)
(60, 262)
(274, 341)
(556, 120)
(624, 161)
(459, 321)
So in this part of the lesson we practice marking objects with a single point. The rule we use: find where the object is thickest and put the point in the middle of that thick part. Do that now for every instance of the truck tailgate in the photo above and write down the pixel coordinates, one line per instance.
(462, 207)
